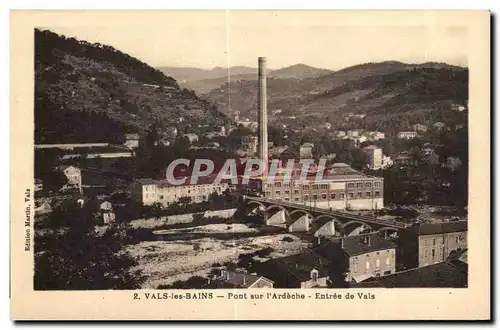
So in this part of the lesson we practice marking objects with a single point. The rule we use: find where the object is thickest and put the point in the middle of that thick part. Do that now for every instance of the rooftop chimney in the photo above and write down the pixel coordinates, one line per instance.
(263, 113)
(366, 240)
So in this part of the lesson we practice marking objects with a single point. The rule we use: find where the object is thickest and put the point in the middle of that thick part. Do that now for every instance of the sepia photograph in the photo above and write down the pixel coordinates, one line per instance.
(228, 154)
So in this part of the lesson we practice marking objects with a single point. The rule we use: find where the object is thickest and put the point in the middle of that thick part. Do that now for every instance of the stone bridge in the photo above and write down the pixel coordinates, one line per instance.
(320, 222)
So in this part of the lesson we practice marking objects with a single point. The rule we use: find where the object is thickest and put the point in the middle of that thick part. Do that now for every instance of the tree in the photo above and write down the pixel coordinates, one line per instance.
(53, 181)
(79, 258)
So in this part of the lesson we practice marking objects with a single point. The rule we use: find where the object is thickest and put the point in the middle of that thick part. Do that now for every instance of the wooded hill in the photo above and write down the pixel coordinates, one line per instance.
(92, 92)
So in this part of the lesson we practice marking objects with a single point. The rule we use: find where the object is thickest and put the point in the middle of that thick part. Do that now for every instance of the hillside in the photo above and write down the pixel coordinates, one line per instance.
(376, 89)
(203, 81)
(299, 71)
(93, 92)
(187, 74)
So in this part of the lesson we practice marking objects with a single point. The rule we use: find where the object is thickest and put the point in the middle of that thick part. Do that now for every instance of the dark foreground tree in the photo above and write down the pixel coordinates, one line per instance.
(81, 258)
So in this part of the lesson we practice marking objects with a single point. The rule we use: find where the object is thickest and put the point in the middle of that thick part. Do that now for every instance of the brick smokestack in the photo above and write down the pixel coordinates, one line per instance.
(263, 112)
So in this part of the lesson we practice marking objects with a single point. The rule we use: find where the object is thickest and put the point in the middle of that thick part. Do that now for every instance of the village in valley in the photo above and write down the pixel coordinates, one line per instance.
(390, 210)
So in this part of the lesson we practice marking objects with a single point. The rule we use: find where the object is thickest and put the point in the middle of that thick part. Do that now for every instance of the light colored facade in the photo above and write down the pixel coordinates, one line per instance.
(107, 213)
(132, 141)
(374, 155)
(437, 247)
(306, 150)
(149, 191)
(74, 176)
(191, 137)
(407, 135)
(369, 255)
(249, 144)
(372, 264)
(419, 128)
(439, 125)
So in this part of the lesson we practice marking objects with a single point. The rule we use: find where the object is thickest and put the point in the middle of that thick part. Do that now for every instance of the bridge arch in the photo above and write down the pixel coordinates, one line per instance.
(257, 203)
(304, 212)
(359, 223)
(385, 230)
(275, 206)
(331, 217)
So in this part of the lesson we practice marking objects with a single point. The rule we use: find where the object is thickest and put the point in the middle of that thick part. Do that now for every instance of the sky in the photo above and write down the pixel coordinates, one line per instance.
(321, 39)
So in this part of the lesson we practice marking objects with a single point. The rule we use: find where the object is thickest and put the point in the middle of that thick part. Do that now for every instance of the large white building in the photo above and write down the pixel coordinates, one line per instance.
(341, 188)
(149, 191)
(374, 155)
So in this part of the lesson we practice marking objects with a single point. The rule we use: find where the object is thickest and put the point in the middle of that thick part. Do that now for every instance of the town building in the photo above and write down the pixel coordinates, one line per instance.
(106, 213)
(439, 125)
(363, 256)
(407, 135)
(73, 175)
(132, 141)
(405, 159)
(386, 161)
(191, 137)
(149, 191)
(328, 125)
(419, 128)
(374, 157)
(249, 144)
(339, 134)
(305, 270)
(447, 274)
(354, 133)
(42, 208)
(306, 150)
(431, 243)
(238, 279)
(341, 188)
(38, 185)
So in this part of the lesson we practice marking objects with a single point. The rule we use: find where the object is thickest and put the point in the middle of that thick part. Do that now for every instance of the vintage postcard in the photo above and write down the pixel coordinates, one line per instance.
(250, 165)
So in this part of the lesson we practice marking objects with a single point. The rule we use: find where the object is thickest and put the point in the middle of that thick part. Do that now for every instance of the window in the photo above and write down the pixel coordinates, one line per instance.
(359, 185)
(433, 253)
(377, 274)
(277, 184)
(315, 197)
(268, 193)
(296, 191)
(368, 194)
(351, 195)
(356, 265)
(376, 184)
(350, 185)
(332, 196)
(434, 241)
(286, 185)
(306, 197)
(161, 196)
(277, 192)
(342, 195)
(314, 275)
(324, 196)
(315, 187)
(287, 192)
(306, 187)
(360, 194)
(456, 239)
(296, 199)
(287, 199)
(377, 194)
(368, 185)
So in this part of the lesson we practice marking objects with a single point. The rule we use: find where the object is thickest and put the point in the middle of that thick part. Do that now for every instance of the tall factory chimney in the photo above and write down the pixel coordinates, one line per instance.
(263, 113)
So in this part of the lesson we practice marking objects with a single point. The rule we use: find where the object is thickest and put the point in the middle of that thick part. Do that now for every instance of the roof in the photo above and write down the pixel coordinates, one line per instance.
(307, 145)
(441, 275)
(442, 228)
(355, 245)
(240, 279)
(297, 267)
(371, 147)
(187, 182)
(64, 167)
(134, 136)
